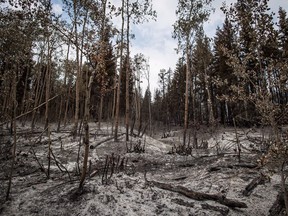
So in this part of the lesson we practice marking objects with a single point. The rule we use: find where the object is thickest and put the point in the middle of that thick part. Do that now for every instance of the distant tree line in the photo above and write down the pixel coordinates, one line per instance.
(241, 74)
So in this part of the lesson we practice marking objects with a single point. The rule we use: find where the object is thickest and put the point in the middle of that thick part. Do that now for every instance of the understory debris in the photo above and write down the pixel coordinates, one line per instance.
(198, 195)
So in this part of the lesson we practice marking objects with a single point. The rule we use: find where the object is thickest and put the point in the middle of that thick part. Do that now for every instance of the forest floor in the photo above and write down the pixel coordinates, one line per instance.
(121, 183)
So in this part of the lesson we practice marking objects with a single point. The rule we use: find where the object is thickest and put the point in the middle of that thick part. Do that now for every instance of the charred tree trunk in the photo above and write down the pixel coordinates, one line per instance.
(79, 57)
(86, 128)
(127, 111)
(199, 196)
(78, 76)
(100, 111)
(120, 75)
(38, 92)
(253, 184)
(278, 205)
(186, 92)
(14, 138)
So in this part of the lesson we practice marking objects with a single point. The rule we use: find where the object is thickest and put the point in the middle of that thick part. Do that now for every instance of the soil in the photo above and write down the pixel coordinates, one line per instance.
(125, 189)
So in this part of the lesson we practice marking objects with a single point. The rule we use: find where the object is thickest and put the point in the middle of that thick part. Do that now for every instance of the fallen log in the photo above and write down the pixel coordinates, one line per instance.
(223, 210)
(246, 165)
(183, 203)
(180, 178)
(103, 141)
(232, 166)
(253, 184)
(278, 205)
(214, 168)
(198, 195)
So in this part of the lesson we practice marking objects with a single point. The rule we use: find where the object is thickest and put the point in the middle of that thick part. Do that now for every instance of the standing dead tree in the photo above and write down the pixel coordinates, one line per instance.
(14, 137)
(86, 129)
(190, 16)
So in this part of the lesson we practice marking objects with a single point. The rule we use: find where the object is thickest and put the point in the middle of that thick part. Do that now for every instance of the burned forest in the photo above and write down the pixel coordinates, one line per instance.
(90, 124)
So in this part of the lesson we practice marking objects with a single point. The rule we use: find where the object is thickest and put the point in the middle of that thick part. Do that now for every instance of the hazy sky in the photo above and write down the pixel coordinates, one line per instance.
(154, 39)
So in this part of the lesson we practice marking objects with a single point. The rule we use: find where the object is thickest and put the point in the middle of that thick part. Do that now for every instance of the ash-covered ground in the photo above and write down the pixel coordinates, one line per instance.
(119, 183)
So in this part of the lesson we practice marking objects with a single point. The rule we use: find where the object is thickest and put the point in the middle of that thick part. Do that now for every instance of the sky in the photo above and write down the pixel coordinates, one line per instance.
(154, 39)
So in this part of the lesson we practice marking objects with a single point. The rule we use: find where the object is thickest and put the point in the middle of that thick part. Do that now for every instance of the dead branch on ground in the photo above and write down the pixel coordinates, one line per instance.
(278, 205)
(223, 210)
(198, 195)
(261, 179)
(59, 164)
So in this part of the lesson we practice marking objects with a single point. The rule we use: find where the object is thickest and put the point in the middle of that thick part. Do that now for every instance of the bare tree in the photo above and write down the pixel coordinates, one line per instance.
(191, 15)
(120, 74)
(14, 136)
(127, 105)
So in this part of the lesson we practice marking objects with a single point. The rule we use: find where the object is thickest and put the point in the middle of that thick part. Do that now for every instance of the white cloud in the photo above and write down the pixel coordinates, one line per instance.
(159, 58)
(154, 39)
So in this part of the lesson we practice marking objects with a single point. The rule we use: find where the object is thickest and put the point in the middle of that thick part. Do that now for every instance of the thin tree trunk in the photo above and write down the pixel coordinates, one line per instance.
(100, 111)
(127, 117)
(193, 97)
(237, 141)
(47, 93)
(120, 75)
(149, 104)
(209, 101)
(79, 67)
(138, 101)
(114, 104)
(14, 138)
(102, 63)
(49, 151)
(86, 128)
(67, 105)
(47, 96)
(60, 114)
(186, 92)
(66, 96)
(22, 110)
(38, 92)
(78, 76)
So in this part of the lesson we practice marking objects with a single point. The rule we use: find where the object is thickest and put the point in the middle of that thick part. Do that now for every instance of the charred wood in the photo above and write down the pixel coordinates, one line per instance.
(278, 205)
(223, 210)
(254, 183)
(200, 196)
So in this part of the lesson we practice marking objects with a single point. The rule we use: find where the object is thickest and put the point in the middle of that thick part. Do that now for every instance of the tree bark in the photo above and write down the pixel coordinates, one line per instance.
(114, 103)
(186, 92)
(78, 76)
(120, 75)
(223, 210)
(49, 151)
(38, 90)
(200, 196)
(47, 94)
(278, 205)
(127, 116)
(14, 138)
(100, 112)
(253, 184)
(211, 118)
(66, 88)
(86, 128)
